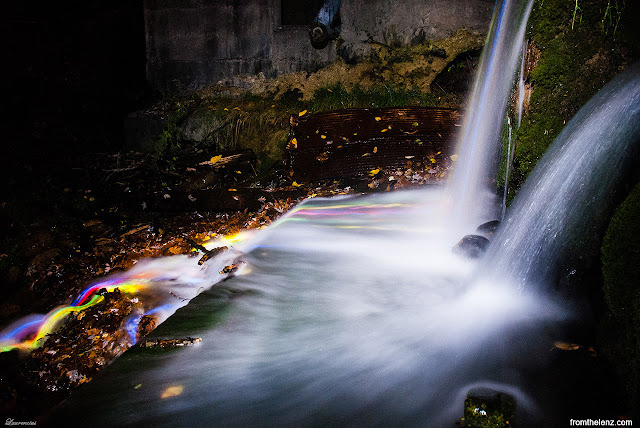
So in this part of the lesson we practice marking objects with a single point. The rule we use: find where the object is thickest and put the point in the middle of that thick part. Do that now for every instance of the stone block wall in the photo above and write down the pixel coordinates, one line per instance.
(191, 43)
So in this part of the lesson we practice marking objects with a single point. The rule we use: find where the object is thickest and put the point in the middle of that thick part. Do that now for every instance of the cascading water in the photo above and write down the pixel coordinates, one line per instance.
(472, 192)
(562, 207)
(354, 311)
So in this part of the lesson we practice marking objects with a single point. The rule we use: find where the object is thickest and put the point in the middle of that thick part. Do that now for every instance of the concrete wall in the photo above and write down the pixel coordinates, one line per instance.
(191, 43)
(406, 22)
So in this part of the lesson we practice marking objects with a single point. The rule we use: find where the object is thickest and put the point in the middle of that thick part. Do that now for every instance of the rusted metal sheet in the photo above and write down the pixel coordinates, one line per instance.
(349, 143)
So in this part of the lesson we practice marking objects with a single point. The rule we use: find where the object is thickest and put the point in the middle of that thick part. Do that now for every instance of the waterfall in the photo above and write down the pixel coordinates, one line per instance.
(565, 202)
(472, 183)
(353, 311)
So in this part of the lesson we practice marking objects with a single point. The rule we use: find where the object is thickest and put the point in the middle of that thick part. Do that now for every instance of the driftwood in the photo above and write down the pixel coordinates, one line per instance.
(171, 343)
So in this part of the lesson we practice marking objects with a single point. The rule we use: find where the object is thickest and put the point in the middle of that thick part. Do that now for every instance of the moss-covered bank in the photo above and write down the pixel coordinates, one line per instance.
(621, 270)
(255, 113)
(575, 49)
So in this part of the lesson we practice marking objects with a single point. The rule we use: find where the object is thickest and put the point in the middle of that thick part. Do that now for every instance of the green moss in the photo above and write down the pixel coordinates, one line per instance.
(574, 63)
(262, 124)
(337, 97)
(621, 271)
(494, 410)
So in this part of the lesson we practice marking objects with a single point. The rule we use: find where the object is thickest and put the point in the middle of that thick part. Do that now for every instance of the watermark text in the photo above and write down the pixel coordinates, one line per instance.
(600, 423)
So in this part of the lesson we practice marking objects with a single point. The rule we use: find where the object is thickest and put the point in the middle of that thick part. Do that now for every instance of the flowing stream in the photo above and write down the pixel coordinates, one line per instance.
(354, 310)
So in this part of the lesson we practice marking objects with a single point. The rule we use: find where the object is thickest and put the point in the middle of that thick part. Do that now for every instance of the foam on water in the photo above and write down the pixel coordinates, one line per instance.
(472, 181)
(353, 310)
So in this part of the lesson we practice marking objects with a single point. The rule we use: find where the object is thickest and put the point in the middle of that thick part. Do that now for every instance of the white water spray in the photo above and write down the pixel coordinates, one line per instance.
(565, 202)
(472, 183)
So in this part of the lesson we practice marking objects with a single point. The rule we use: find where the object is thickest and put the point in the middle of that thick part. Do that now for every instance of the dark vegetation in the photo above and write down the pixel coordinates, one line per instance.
(570, 58)
(575, 48)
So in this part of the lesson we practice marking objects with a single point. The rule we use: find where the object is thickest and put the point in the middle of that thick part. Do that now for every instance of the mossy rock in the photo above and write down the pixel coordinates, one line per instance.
(621, 272)
(488, 408)
(579, 54)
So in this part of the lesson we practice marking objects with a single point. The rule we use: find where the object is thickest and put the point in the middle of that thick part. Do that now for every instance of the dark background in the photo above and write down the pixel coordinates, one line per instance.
(72, 71)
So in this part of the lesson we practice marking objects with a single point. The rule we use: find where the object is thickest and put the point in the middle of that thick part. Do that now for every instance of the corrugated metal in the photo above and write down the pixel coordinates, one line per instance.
(349, 143)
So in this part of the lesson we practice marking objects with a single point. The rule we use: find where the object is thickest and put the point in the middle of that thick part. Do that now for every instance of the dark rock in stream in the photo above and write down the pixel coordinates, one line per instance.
(488, 229)
(471, 246)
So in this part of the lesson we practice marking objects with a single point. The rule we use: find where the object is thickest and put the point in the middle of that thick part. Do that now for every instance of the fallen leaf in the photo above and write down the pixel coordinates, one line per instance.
(294, 143)
(566, 346)
(378, 119)
(215, 159)
(432, 160)
(384, 130)
(454, 157)
(374, 172)
(302, 113)
(233, 190)
(172, 391)
(375, 150)
(295, 184)
(323, 137)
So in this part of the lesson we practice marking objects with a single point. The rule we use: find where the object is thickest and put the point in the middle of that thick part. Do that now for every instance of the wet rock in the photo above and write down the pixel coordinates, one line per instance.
(471, 246)
(200, 125)
(42, 264)
(488, 229)
(145, 326)
(486, 407)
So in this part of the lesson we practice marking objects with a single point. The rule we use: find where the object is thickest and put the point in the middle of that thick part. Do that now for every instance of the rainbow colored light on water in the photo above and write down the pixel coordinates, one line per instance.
(28, 333)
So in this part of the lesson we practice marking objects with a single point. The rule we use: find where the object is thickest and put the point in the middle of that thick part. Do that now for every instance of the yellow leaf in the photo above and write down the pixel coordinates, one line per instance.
(324, 137)
(172, 391)
(374, 172)
(238, 172)
(375, 150)
(236, 108)
(329, 90)
(295, 184)
(233, 190)
(215, 159)
(226, 109)
(294, 143)
(302, 113)
(454, 157)
(432, 160)
(384, 130)
(378, 119)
